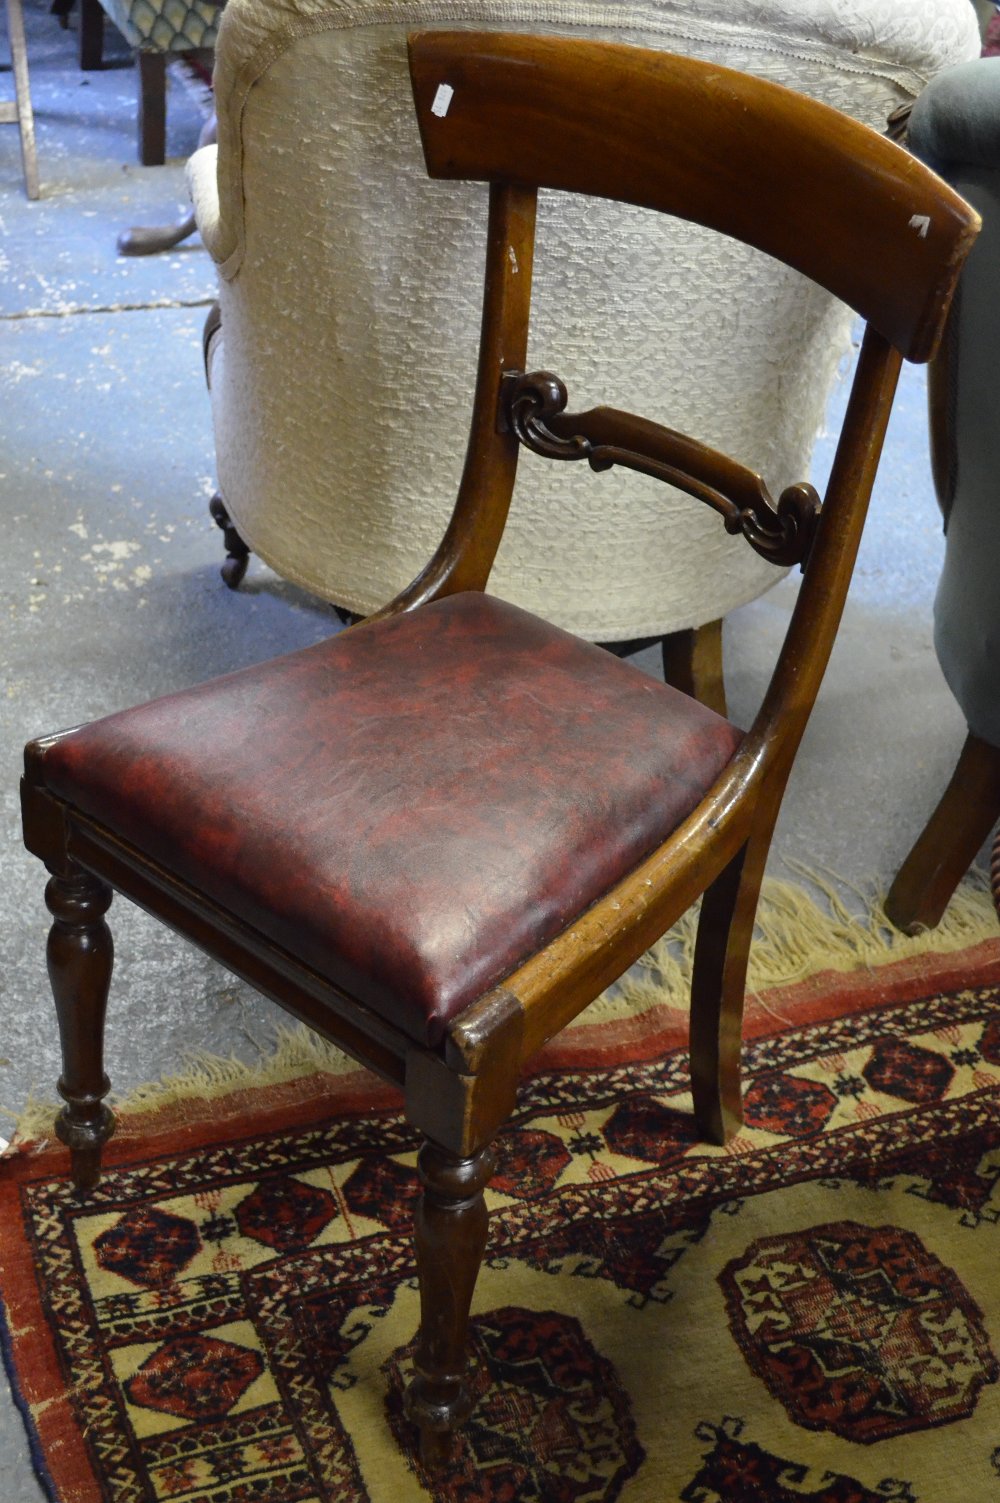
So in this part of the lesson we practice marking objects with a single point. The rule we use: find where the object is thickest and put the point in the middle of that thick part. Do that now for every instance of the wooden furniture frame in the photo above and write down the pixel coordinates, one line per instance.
(747, 158)
(18, 111)
(950, 841)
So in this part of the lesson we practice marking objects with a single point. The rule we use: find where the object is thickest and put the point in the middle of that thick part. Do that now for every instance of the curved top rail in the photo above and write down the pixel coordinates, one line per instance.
(751, 159)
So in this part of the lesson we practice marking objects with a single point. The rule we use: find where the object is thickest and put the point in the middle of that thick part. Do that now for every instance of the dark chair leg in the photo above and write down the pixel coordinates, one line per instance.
(237, 552)
(80, 958)
(152, 69)
(91, 37)
(692, 662)
(450, 1234)
(718, 983)
(950, 841)
(148, 240)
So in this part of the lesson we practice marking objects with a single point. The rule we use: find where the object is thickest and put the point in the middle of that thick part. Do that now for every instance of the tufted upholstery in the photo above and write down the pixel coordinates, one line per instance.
(317, 213)
(412, 830)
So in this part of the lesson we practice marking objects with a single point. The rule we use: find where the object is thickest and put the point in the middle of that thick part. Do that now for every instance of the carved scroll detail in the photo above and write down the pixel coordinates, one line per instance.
(533, 405)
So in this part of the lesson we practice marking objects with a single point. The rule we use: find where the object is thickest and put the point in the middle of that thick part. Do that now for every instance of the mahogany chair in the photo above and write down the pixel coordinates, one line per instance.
(437, 837)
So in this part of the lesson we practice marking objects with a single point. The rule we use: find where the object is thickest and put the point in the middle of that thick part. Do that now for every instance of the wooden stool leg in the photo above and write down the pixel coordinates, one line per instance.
(91, 37)
(451, 1238)
(718, 983)
(22, 93)
(692, 662)
(80, 958)
(950, 841)
(152, 69)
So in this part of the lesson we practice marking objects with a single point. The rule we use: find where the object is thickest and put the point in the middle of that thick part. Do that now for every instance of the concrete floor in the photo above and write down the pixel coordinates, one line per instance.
(109, 586)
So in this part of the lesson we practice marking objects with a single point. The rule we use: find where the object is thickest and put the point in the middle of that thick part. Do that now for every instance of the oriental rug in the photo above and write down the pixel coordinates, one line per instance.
(811, 1313)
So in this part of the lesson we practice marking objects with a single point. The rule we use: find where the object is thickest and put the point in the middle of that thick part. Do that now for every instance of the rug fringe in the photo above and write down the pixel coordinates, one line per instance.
(796, 937)
(297, 1052)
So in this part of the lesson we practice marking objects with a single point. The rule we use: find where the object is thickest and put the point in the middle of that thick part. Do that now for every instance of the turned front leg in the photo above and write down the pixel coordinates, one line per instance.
(80, 957)
(450, 1234)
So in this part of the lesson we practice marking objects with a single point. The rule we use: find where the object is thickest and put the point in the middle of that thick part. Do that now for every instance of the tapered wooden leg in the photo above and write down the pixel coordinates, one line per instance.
(450, 1233)
(692, 662)
(718, 983)
(152, 70)
(237, 552)
(950, 841)
(80, 958)
(91, 36)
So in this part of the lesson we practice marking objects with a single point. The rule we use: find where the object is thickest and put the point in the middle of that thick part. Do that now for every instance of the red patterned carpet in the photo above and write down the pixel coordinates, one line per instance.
(812, 1313)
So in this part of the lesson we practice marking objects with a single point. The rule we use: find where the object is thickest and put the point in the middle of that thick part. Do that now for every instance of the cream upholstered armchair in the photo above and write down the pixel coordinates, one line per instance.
(321, 225)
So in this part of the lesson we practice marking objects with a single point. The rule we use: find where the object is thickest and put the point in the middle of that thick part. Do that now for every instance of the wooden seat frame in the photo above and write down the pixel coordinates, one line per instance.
(747, 158)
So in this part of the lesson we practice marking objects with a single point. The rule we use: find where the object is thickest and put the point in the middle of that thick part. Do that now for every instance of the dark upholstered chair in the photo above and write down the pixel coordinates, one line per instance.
(955, 127)
(154, 29)
(438, 836)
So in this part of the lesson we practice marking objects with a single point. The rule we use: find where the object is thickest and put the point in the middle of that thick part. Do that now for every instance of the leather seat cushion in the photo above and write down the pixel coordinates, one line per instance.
(412, 808)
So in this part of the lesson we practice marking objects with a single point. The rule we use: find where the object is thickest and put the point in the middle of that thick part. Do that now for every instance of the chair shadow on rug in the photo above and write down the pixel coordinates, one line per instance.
(437, 837)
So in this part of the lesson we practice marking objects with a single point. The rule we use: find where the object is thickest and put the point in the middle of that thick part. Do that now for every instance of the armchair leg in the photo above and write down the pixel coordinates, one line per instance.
(80, 959)
(692, 662)
(148, 240)
(949, 842)
(450, 1231)
(718, 983)
(152, 67)
(237, 552)
(91, 35)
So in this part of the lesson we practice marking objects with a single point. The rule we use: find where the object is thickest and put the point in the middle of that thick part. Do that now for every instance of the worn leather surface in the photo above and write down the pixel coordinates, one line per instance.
(412, 808)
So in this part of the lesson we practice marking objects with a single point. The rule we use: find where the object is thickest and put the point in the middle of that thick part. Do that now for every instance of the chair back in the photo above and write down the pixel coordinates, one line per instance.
(751, 159)
(326, 299)
(748, 158)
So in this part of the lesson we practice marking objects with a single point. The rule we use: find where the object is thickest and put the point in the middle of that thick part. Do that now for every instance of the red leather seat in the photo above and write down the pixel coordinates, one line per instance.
(412, 808)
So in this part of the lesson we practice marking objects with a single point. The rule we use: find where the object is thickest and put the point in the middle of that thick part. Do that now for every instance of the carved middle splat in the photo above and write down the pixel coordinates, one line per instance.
(532, 406)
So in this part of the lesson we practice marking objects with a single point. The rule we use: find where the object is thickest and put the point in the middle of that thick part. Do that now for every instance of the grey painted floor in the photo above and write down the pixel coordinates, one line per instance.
(109, 587)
